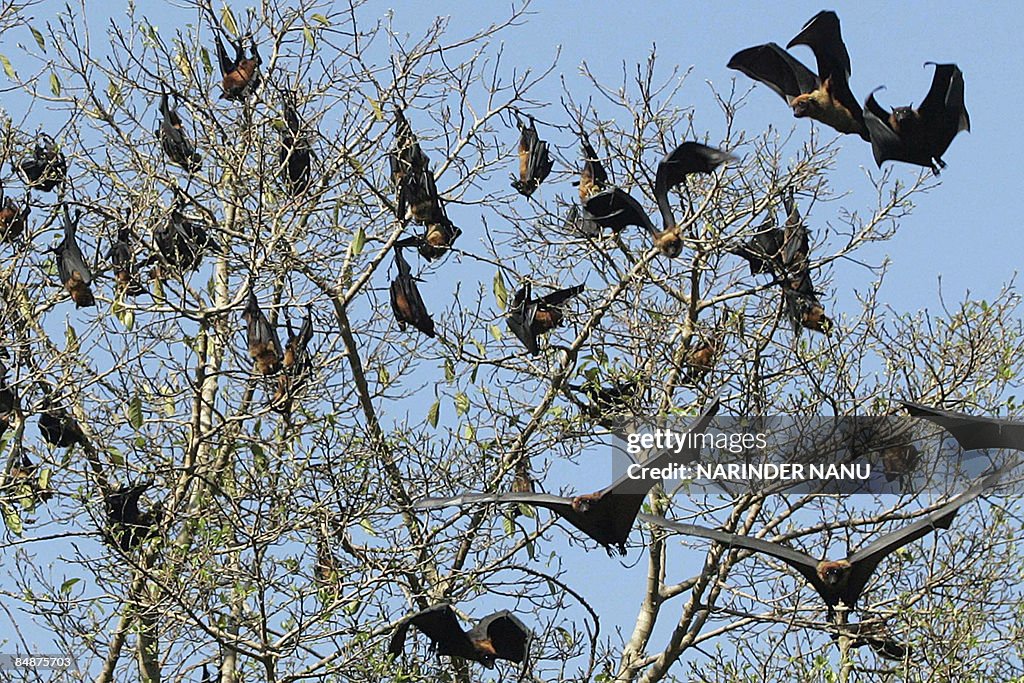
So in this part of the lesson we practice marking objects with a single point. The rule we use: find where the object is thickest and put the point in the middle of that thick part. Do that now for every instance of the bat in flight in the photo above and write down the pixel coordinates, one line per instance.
(606, 516)
(261, 337)
(406, 302)
(841, 581)
(173, 140)
(973, 432)
(240, 75)
(13, 219)
(295, 155)
(528, 318)
(534, 160)
(127, 526)
(615, 208)
(920, 136)
(825, 96)
(497, 636)
(47, 167)
(687, 158)
(71, 265)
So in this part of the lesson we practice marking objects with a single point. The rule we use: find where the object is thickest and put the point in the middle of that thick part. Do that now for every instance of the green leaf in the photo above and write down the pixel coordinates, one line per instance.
(54, 84)
(507, 525)
(65, 588)
(39, 38)
(500, 292)
(204, 57)
(434, 413)
(228, 19)
(11, 519)
(116, 457)
(71, 338)
(135, 412)
(461, 403)
(469, 432)
(367, 527)
(8, 69)
(358, 241)
(449, 370)
(378, 113)
(184, 65)
(310, 38)
(495, 332)
(321, 19)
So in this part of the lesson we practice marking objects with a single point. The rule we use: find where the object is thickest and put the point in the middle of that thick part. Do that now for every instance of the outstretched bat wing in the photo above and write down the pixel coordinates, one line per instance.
(802, 562)
(441, 626)
(886, 145)
(615, 208)
(943, 112)
(823, 35)
(973, 432)
(864, 561)
(776, 68)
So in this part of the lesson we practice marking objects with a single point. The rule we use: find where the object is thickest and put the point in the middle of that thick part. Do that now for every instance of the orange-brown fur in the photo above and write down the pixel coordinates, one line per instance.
(833, 573)
(80, 292)
(820, 105)
(669, 242)
(267, 362)
(546, 319)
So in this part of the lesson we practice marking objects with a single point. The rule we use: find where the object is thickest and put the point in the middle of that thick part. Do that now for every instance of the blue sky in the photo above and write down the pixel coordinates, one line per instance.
(966, 230)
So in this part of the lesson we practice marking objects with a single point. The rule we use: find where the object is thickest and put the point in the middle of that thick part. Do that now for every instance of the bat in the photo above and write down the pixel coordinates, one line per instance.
(173, 140)
(182, 241)
(47, 167)
(528, 318)
(241, 75)
(500, 635)
(71, 266)
(841, 581)
(406, 156)
(687, 158)
(127, 526)
(616, 209)
(580, 221)
(121, 257)
(325, 571)
(876, 636)
(207, 678)
(296, 364)
(608, 400)
(58, 428)
(825, 96)
(13, 219)
(970, 431)
(534, 161)
(295, 155)
(593, 176)
(606, 516)
(406, 302)
(763, 251)
(261, 337)
(802, 305)
(920, 136)
(437, 238)
(796, 241)
(700, 358)
(418, 200)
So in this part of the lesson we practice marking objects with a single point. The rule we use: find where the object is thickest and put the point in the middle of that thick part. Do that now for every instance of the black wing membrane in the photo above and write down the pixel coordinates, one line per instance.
(802, 562)
(441, 626)
(507, 634)
(973, 432)
(561, 295)
(823, 35)
(865, 560)
(771, 65)
(615, 208)
(943, 112)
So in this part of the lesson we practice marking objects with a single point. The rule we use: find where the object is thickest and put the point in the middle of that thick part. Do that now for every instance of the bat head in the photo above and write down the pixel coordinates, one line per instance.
(903, 117)
(833, 573)
(669, 242)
